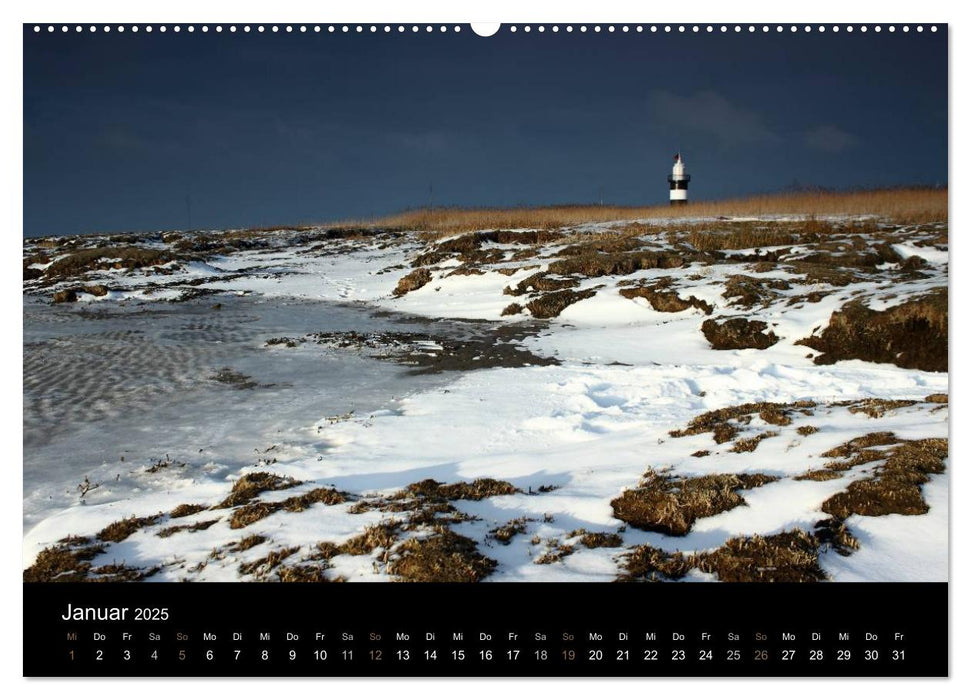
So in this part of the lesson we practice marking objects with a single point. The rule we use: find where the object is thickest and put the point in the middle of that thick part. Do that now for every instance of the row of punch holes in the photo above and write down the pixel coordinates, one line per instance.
(414, 28)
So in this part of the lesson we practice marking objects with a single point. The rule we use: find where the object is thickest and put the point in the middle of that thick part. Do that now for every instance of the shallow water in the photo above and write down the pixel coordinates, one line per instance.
(110, 388)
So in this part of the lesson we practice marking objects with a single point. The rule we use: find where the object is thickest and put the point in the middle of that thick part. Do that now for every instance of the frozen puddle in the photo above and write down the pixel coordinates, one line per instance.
(111, 390)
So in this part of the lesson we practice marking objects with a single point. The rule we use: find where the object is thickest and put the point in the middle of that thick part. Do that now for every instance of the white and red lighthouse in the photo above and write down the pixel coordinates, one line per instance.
(678, 180)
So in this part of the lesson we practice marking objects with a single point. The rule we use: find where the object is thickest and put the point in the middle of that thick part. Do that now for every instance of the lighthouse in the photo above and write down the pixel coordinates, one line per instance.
(678, 180)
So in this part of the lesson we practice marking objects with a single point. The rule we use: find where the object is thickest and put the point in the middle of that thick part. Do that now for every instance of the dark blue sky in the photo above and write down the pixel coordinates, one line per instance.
(262, 129)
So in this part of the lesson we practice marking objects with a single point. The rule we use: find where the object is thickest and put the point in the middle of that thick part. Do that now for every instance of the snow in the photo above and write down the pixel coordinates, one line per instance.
(930, 254)
(590, 426)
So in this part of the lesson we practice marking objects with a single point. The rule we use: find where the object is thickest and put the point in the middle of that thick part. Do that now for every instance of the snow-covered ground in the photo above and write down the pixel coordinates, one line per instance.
(121, 388)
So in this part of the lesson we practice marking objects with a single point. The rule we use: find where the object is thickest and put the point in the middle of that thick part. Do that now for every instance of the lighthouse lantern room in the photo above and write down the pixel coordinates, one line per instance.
(678, 180)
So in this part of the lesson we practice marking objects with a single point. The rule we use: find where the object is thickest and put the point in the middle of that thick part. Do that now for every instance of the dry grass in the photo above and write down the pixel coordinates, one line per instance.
(123, 529)
(647, 563)
(63, 563)
(912, 335)
(443, 558)
(252, 512)
(306, 573)
(95, 259)
(194, 527)
(670, 505)
(724, 423)
(751, 443)
(787, 557)
(552, 304)
(596, 540)
(460, 491)
(186, 509)
(834, 532)
(914, 205)
(264, 565)
(738, 334)
(251, 485)
(505, 533)
(412, 281)
(895, 487)
(665, 300)
(247, 543)
(381, 535)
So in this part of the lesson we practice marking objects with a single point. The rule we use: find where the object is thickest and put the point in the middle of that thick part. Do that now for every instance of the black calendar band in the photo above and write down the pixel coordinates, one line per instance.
(661, 630)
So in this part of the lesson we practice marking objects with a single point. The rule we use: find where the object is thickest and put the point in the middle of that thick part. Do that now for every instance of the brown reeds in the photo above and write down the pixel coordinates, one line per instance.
(905, 205)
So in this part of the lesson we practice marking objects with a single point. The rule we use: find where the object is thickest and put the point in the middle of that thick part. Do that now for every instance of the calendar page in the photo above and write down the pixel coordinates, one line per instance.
(537, 349)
